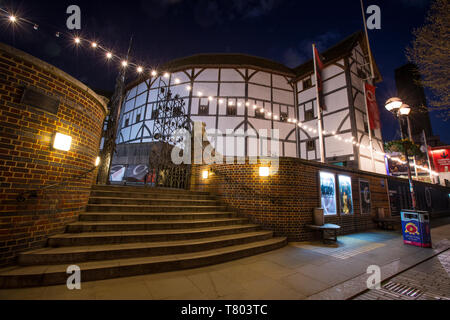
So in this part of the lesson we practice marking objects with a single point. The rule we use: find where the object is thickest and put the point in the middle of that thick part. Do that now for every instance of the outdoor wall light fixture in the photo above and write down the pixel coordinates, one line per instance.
(205, 174)
(97, 161)
(62, 142)
(264, 171)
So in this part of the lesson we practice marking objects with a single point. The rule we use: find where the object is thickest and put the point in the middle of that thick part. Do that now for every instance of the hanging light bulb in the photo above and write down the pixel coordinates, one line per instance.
(36, 27)
(94, 45)
(154, 73)
(124, 63)
(140, 69)
(12, 19)
(177, 81)
(109, 55)
(166, 75)
(77, 40)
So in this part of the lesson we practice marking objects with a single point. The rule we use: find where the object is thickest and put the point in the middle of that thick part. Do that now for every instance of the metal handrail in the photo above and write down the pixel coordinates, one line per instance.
(22, 197)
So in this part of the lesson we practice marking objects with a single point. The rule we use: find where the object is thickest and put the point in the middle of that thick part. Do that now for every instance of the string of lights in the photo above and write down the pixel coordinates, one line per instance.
(140, 69)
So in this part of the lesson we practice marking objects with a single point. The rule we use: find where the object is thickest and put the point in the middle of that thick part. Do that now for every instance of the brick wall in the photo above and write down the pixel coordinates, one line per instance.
(285, 201)
(27, 160)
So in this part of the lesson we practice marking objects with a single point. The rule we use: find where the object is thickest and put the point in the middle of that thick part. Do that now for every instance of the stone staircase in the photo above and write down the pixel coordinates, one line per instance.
(128, 231)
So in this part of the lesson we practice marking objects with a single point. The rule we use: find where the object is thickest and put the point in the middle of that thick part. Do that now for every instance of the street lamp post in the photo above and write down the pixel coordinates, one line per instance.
(399, 110)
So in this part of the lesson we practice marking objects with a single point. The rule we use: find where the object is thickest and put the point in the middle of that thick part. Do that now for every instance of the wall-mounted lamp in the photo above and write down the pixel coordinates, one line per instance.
(205, 174)
(264, 171)
(62, 142)
(97, 161)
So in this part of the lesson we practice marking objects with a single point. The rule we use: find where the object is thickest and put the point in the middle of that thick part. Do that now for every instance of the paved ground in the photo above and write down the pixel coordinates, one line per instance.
(298, 271)
(428, 281)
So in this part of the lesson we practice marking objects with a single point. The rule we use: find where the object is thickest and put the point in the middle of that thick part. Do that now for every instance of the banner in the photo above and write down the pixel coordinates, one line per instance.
(372, 107)
(345, 195)
(328, 193)
(319, 69)
(365, 198)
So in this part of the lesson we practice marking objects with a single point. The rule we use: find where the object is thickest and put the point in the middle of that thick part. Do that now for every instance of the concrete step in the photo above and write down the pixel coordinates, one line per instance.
(46, 275)
(138, 216)
(149, 195)
(150, 208)
(150, 190)
(75, 255)
(92, 226)
(147, 202)
(104, 238)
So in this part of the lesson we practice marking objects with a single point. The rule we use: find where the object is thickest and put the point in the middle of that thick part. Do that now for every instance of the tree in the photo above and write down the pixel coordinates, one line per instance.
(430, 51)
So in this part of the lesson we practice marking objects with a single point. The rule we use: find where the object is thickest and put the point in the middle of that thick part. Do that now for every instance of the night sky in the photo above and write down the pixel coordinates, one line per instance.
(281, 30)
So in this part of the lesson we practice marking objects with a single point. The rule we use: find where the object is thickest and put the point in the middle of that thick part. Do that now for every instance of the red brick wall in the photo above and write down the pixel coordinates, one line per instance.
(27, 160)
(295, 192)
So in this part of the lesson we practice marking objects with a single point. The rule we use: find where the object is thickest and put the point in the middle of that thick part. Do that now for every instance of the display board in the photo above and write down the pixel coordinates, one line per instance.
(345, 195)
(328, 193)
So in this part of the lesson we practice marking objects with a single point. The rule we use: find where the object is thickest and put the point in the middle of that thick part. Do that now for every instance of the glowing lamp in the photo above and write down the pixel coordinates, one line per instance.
(205, 174)
(140, 69)
(109, 55)
(405, 110)
(12, 19)
(77, 40)
(62, 142)
(264, 171)
(97, 161)
(154, 73)
(393, 104)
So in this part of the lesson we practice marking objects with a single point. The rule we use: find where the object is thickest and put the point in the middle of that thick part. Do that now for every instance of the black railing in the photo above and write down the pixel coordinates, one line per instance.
(29, 194)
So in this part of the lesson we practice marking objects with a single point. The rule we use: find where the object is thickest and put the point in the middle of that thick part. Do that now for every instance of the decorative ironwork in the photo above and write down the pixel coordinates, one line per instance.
(170, 128)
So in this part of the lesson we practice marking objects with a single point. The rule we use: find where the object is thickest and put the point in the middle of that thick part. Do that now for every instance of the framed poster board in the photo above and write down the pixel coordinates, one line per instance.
(365, 197)
(328, 193)
(345, 195)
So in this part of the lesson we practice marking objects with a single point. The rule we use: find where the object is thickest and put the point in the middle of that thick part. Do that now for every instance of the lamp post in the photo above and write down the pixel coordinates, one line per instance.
(399, 110)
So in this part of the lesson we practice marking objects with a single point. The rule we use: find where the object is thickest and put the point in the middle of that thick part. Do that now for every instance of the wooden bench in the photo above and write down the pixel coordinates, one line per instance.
(328, 231)
(387, 223)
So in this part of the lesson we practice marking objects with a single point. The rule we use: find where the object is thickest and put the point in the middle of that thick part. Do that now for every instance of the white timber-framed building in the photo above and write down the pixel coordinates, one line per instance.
(229, 91)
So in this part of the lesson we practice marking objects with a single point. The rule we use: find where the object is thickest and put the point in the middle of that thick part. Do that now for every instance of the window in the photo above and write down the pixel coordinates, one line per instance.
(307, 84)
(361, 73)
(231, 110)
(309, 115)
(127, 122)
(155, 114)
(311, 145)
(260, 115)
(203, 110)
(138, 118)
(283, 117)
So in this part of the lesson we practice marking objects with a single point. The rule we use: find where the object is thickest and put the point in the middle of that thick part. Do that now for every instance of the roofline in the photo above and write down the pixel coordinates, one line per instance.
(291, 72)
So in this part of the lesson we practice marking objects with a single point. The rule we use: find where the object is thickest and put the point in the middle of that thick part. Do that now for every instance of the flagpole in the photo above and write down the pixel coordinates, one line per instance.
(319, 110)
(428, 156)
(370, 128)
(367, 41)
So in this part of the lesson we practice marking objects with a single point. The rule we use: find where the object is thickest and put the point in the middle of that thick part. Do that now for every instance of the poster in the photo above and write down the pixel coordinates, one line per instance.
(328, 193)
(345, 195)
(364, 189)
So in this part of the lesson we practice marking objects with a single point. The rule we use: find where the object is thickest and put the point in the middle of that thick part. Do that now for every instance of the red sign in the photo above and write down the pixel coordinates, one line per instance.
(372, 106)
(441, 159)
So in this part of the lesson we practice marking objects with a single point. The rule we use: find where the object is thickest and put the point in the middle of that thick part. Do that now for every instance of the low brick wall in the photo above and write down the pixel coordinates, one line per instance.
(285, 201)
(27, 160)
